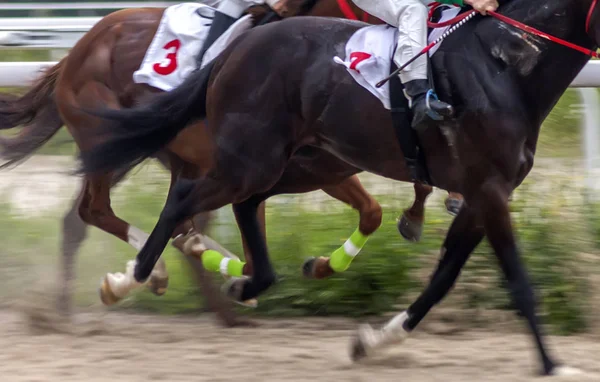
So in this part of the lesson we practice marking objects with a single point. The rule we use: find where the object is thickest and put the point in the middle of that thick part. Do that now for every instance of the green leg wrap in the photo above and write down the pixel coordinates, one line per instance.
(342, 257)
(214, 261)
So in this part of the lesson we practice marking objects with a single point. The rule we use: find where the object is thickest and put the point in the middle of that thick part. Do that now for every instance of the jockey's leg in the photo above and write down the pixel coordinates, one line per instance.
(226, 14)
(412, 38)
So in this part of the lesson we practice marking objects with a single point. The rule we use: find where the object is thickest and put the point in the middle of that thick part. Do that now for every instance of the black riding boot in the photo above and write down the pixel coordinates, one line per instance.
(425, 106)
(220, 23)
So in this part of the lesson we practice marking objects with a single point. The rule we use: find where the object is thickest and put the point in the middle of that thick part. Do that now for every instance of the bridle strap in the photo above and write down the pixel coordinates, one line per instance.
(524, 27)
(588, 19)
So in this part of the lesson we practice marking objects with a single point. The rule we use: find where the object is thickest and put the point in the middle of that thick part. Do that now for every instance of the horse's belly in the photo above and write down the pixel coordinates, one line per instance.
(194, 145)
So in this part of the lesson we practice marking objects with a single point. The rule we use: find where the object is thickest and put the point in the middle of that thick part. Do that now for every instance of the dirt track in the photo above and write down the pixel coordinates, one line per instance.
(129, 348)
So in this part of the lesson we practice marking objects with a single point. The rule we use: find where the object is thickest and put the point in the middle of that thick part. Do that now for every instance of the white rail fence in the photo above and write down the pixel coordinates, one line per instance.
(82, 6)
(63, 32)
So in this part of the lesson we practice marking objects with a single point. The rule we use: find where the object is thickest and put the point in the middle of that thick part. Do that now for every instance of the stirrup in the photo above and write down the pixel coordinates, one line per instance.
(430, 112)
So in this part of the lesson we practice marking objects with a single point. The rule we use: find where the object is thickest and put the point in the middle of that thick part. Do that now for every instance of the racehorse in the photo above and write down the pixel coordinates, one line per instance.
(281, 78)
(100, 68)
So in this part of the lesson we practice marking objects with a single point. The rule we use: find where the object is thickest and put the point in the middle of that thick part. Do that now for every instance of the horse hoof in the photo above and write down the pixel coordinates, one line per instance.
(233, 289)
(453, 206)
(410, 230)
(158, 285)
(107, 296)
(308, 268)
(566, 371)
(317, 268)
(251, 303)
(357, 349)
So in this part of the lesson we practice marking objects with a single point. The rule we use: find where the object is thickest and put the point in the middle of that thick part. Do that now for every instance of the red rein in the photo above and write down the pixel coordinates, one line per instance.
(349, 14)
(521, 26)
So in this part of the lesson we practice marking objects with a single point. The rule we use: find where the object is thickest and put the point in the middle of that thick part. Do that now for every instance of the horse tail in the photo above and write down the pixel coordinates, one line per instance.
(36, 111)
(136, 134)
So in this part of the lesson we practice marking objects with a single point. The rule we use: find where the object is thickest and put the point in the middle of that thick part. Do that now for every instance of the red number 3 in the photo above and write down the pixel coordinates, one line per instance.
(356, 58)
(165, 68)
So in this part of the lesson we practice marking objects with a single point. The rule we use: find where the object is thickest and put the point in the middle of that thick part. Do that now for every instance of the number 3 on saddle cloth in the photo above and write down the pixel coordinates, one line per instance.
(369, 59)
(171, 56)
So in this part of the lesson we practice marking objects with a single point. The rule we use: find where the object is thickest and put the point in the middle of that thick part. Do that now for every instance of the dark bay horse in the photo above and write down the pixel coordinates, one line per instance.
(98, 70)
(277, 89)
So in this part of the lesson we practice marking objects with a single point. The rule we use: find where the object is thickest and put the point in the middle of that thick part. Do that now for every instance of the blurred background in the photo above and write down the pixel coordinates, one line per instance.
(556, 215)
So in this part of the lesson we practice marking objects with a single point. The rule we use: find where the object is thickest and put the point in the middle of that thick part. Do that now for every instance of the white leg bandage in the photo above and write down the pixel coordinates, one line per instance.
(122, 283)
(392, 333)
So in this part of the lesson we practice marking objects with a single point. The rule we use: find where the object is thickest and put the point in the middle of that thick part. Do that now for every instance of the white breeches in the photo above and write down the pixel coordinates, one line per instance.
(410, 16)
(235, 8)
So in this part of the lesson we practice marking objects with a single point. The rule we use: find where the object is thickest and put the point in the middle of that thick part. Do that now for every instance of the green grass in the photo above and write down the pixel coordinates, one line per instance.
(560, 136)
(18, 55)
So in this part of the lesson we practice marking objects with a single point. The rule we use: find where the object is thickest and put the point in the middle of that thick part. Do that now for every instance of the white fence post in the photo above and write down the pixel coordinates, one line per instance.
(591, 142)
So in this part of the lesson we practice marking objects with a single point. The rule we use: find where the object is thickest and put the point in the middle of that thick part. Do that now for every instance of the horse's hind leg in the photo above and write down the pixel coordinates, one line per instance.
(186, 199)
(74, 233)
(97, 211)
(410, 224)
(462, 238)
(351, 192)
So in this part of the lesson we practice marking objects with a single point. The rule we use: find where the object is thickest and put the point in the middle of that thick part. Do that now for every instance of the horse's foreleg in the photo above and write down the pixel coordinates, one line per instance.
(219, 260)
(261, 216)
(351, 192)
(499, 231)
(199, 222)
(248, 222)
(410, 224)
(462, 238)
(98, 212)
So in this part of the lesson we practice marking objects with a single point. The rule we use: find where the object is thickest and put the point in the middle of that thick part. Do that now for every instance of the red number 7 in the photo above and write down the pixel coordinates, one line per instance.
(356, 58)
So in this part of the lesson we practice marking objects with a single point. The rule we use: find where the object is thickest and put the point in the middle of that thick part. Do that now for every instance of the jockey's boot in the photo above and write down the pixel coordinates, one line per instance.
(425, 105)
(220, 23)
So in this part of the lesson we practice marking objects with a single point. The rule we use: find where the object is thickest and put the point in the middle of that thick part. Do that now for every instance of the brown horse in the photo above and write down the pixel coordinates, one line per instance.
(98, 71)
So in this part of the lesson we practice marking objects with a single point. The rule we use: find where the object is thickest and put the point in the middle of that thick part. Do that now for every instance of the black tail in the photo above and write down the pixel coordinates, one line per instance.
(36, 112)
(138, 133)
